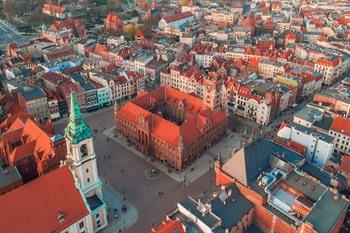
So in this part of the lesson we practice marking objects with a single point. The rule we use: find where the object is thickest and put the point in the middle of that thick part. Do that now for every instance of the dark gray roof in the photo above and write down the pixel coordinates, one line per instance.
(309, 114)
(233, 209)
(325, 123)
(327, 212)
(31, 92)
(8, 176)
(190, 205)
(316, 172)
(250, 161)
(94, 202)
(83, 82)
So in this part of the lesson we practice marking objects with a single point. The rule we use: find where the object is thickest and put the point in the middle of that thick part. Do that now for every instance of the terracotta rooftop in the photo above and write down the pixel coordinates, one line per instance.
(39, 204)
(341, 125)
(54, 8)
(169, 226)
(176, 17)
(189, 130)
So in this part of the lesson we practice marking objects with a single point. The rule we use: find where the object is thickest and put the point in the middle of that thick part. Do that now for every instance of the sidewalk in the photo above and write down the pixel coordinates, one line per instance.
(114, 200)
(187, 176)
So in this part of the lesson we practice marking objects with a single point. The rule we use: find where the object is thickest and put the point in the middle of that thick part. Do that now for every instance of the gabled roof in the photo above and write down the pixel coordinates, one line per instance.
(36, 140)
(251, 160)
(198, 115)
(176, 17)
(341, 125)
(35, 206)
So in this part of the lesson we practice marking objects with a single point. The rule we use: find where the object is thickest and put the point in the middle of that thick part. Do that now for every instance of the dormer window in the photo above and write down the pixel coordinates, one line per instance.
(83, 150)
(60, 217)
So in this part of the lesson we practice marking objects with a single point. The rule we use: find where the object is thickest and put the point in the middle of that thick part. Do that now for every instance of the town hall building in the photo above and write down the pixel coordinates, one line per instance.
(172, 126)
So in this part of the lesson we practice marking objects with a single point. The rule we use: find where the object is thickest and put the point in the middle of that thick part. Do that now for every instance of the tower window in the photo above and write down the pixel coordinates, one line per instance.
(87, 170)
(83, 150)
(88, 180)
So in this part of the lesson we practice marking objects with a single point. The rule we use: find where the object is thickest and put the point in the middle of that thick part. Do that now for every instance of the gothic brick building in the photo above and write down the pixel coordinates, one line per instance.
(113, 23)
(173, 126)
(32, 147)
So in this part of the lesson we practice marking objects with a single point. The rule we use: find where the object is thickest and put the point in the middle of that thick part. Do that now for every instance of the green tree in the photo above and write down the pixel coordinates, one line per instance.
(130, 30)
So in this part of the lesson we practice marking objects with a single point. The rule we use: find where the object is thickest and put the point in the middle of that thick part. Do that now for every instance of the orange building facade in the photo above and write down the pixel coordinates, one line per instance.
(113, 23)
(170, 125)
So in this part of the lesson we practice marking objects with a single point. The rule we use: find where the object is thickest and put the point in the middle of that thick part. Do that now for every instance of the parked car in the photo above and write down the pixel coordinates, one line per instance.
(115, 213)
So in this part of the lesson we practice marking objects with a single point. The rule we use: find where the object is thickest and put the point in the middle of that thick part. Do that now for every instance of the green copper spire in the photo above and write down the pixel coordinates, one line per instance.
(77, 129)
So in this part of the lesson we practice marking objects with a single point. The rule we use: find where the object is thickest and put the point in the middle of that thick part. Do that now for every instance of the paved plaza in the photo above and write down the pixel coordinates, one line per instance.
(115, 200)
(123, 170)
(226, 145)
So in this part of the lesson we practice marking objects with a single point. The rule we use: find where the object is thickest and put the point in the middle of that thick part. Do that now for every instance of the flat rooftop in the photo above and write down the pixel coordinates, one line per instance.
(308, 187)
(31, 92)
(327, 211)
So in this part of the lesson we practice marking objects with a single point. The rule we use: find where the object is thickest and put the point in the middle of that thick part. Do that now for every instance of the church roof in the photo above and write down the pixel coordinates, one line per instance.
(50, 203)
(77, 129)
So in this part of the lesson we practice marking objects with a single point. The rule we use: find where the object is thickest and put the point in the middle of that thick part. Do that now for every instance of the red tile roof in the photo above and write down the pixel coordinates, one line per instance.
(345, 164)
(189, 130)
(169, 226)
(341, 125)
(35, 206)
(55, 78)
(176, 17)
(54, 8)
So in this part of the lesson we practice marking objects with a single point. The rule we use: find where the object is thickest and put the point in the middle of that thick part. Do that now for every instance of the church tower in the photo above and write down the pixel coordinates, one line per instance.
(82, 157)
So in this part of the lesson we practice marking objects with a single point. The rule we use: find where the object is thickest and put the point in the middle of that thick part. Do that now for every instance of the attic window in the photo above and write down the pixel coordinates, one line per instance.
(60, 217)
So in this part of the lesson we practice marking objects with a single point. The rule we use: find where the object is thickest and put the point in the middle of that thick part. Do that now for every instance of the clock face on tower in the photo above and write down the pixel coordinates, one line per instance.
(83, 150)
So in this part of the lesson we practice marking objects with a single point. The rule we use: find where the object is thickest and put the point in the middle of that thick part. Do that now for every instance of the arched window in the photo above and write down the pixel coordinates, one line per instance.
(83, 150)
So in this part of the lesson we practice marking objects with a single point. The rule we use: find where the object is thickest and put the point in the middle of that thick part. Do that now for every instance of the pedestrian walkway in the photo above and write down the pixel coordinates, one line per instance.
(187, 176)
(115, 200)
